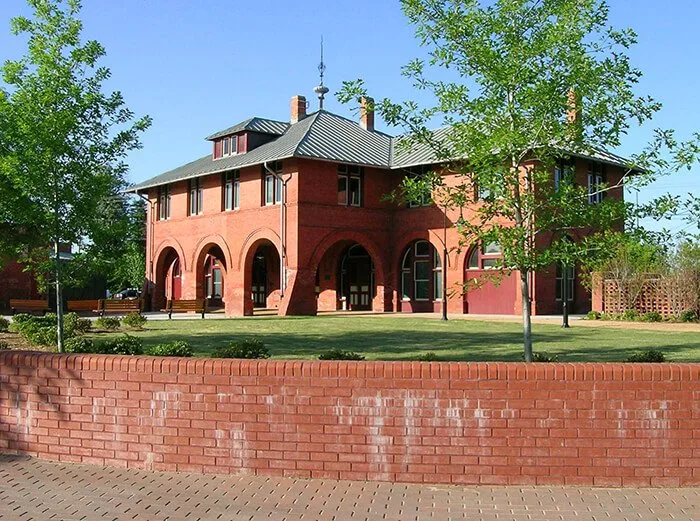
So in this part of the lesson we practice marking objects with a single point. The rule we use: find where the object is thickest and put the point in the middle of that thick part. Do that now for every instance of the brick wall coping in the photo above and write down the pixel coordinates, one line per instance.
(576, 371)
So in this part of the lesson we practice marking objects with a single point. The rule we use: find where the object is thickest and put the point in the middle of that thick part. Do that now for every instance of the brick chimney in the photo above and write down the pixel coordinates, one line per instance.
(573, 110)
(367, 113)
(298, 108)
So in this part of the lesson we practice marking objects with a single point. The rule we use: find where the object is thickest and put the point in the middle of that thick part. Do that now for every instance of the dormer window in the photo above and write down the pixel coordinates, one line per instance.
(227, 146)
(227, 149)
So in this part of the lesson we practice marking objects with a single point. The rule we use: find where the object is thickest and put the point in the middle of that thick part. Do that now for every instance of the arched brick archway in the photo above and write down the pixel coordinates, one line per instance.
(349, 273)
(210, 265)
(167, 276)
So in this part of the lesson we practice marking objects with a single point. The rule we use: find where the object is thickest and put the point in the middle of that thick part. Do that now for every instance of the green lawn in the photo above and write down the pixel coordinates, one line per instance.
(399, 338)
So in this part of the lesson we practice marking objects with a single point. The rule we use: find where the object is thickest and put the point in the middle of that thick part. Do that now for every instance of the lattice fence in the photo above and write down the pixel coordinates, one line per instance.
(665, 295)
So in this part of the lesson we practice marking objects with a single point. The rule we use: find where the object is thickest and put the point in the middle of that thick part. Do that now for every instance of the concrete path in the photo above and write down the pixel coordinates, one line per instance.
(40, 490)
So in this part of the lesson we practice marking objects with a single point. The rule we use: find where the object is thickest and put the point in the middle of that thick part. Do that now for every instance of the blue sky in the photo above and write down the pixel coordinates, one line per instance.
(199, 66)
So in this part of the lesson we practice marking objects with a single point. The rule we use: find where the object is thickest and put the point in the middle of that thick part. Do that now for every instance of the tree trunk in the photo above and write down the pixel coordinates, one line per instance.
(59, 299)
(527, 312)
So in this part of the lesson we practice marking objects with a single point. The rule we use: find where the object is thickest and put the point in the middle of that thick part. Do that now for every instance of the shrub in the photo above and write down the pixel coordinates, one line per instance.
(650, 356)
(688, 316)
(339, 354)
(252, 348)
(651, 316)
(81, 344)
(20, 318)
(176, 348)
(4, 345)
(543, 357)
(427, 357)
(134, 320)
(39, 330)
(593, 315)
(630, 314)
(109, 323)
(73, 324)
(120, 345)
(4, 324)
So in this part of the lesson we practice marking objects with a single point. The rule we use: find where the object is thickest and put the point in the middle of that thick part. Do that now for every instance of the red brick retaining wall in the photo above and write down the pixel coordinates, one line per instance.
(494, 423)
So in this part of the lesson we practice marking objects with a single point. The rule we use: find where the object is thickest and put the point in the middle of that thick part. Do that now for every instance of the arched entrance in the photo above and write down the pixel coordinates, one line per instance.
(265, 278)
(420, 283)
(212, 277)
(356, 286)
(168, 278)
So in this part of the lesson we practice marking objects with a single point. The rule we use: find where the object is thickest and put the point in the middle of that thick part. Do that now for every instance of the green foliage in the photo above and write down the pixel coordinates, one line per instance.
(544, 357)
(651, 316)
(174, 348)
(4, 324)
(108, 323)
(18, 320)
(688, 316)
(120, 345)
(251, 348)
(427, 357)
(81, 344)
(339, 354)
(593, 315)
(4, 345)
(650, 356)
(134, 320)
(630, 315)
(38, 330)
(74, 324)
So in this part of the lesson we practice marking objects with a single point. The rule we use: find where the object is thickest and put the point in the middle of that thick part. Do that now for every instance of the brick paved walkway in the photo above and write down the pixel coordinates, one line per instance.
(41, 490)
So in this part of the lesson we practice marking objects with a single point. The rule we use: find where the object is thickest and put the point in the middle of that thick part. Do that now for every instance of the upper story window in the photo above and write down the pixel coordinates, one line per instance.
(272, 185)
(232, 188)
(163, 202)
(425, 196)
(226, 146)
(196, 197)
(564, 173)
(487, 257)
(350, 185)
(596, 180)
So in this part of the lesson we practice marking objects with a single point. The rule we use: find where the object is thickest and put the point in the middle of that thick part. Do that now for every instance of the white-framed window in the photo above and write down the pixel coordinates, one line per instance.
(350, 185)
(232, 185)
(595, 183)
(421, 280)
(489, 256)
(196, 197)
(422, 249)
(564, 173)
(272, 184)
(164, 202)
(406, 275)
(227, 143)
(437, 276)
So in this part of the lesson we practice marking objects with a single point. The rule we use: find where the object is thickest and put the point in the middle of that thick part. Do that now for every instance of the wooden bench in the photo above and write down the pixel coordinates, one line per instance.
(118, 306)
(28, 305)
(83, 305)
(185, 306)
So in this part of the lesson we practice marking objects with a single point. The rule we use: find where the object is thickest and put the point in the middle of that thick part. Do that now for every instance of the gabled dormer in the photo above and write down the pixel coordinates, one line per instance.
(246, 136)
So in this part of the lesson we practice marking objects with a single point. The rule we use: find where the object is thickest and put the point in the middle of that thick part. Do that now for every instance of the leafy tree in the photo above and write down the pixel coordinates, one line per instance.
(537, 82)
(64, 150)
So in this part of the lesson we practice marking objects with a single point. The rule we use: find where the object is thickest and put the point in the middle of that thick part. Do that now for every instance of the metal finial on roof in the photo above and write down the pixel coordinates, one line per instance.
(321, 89)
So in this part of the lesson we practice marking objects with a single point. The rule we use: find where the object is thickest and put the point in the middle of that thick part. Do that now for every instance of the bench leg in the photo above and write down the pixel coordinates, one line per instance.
(170, 315)
(202, 315)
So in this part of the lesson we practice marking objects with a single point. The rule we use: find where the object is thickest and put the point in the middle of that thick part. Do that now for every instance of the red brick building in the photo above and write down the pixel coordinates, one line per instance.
(304, 202)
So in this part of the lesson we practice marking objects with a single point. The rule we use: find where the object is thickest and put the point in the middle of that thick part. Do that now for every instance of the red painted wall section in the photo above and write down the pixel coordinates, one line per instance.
(16, 283)
(462, 423)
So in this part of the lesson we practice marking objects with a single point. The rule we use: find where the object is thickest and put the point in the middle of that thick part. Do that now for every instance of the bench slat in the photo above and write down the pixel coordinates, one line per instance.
(28, 304)
(184, 306)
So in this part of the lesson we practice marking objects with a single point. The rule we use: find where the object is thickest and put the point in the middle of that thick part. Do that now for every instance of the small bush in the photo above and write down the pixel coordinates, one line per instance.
(651, 316)
(4, 324)
(630, 314)
(339, 354)
(134, 320)
(176, 348)
(593, 315)
(4, 345)
(120, 345)
(109, 323)
(427, 357)
(81, 344)
(251, 349)
(20, 318)
(73, 324)
(688, 316)
(543, 357)
(650, 356)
